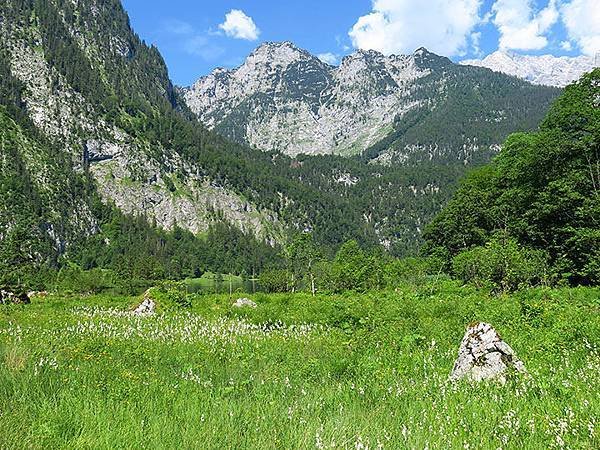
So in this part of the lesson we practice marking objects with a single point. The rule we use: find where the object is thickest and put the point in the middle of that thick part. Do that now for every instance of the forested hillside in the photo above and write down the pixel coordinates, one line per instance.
(540, 199)
(464, 113)
(104, 166)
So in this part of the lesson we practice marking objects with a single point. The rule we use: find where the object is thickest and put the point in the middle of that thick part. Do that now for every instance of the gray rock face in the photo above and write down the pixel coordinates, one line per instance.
(483, 355)
(95, 150)
(283, 98)
(244, 303)
(138, 175)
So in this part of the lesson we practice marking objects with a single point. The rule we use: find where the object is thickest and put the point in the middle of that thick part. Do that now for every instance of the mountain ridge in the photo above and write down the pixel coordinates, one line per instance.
(547, 70)
(82, 86)
(310, 83)
(282, 98)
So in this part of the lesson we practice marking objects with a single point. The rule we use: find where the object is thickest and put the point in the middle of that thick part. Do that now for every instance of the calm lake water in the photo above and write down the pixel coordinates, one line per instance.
(212, 287)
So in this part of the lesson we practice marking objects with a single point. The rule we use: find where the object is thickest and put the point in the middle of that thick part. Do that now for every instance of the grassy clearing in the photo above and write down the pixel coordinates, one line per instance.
(350, 371)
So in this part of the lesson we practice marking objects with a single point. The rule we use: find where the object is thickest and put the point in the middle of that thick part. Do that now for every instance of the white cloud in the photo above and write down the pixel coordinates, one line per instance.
(239, 26)
(475, 43)
(582, 22)
(192, 41)
(401, 26)
(520, 27)
(328, 58)
(566, 46)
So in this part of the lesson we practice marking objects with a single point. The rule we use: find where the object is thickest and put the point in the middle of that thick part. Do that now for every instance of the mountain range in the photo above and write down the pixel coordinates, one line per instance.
(100, 151)
(282, 98)
(546, 70)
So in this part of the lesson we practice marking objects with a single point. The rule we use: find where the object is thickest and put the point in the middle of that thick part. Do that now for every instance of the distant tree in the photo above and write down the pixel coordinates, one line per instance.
(502, 264)
(304, 254)
(353, 269)
(218, 280)
(275, 280)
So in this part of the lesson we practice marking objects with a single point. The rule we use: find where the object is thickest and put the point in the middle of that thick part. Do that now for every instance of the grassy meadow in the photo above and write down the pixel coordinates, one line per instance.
(347, 371)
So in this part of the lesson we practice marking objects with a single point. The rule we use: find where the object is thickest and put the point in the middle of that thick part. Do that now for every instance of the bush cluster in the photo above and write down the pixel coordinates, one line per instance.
(502, 265)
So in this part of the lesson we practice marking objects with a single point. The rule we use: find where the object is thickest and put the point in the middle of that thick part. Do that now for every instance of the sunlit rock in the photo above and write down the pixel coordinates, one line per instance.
(483, 355)
(147, 306)
(244, 303)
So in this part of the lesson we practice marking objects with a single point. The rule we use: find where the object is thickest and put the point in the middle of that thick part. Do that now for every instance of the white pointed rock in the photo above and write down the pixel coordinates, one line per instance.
(147, 307)
(244, 303)
(483, 355)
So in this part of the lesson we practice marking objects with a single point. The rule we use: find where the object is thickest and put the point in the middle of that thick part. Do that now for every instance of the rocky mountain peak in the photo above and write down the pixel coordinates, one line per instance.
(278, 54)
(276, 45)
(546, 70)
(367, 54)
(283, 98)
(425, 59)
(363, 58)
(360, 61)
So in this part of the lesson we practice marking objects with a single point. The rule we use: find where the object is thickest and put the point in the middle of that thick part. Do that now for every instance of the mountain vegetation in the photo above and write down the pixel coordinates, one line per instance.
(479, 110)
(419, 106)
(105, 166)
(541, 191)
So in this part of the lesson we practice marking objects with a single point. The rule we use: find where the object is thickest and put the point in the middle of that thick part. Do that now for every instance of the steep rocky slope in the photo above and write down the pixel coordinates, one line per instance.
(34, 190)
(88, 83)
(74, 59)
(283, 98)
(81, 86)
(544, 69)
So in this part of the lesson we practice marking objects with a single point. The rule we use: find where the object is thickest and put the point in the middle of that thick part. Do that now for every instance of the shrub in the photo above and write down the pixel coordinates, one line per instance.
(410, 270)
(73, 279)
(275, 280)
(353, 269)
(502, 265)
(26, 277)
(171, 294)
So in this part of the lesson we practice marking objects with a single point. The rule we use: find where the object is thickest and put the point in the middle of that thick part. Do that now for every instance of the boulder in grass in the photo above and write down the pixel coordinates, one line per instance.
(244, 303)
(147, 306)
(483, 355)
(7, 297)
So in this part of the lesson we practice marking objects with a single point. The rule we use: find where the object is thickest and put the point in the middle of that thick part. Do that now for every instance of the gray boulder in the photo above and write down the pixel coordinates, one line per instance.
(244, 303)
(147, 306)
(483, 355)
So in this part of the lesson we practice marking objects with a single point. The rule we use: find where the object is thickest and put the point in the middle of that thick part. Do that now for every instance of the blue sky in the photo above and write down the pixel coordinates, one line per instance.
(195, 36)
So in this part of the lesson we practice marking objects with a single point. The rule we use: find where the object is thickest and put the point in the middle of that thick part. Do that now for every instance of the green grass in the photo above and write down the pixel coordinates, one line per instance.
(298, 372)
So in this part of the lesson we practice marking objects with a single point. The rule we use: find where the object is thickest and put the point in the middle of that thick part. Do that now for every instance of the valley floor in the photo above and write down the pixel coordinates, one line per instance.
(350, 371)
